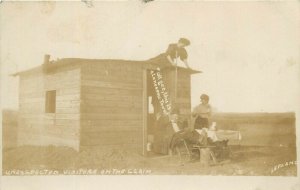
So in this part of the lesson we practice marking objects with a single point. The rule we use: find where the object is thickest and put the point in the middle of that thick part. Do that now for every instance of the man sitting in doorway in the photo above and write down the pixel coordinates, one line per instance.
(183, 132)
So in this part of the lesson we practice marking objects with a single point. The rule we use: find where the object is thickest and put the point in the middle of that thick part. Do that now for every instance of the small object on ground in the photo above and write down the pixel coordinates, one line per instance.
(205, 154)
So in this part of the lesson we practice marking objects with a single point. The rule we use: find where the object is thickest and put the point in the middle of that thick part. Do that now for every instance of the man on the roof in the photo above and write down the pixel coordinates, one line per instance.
(173, 52)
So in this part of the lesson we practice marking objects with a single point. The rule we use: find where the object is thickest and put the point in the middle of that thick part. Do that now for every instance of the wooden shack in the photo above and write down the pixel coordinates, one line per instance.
(86, 102)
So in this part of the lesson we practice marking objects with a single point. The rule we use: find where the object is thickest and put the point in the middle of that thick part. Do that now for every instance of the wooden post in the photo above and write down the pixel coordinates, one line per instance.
(145, 112)
(204, 156)
(175, 79)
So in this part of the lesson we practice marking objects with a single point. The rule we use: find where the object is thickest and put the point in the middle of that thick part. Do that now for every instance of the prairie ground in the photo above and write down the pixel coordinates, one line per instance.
(275, 155)
(245, 161)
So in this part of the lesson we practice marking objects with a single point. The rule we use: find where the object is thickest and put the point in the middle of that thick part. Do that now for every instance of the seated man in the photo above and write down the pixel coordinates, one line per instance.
(182, 132)
(218, 146)
(210, 132)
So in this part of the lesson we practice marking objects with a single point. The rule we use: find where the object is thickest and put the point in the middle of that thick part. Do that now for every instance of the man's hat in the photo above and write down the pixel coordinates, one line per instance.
(184, 41)
(204, 96)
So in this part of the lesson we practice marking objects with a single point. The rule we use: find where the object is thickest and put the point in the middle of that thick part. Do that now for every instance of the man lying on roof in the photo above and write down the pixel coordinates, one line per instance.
(174, 51)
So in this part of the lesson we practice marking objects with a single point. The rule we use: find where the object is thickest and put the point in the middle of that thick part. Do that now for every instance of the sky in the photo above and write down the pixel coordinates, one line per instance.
(249, 52)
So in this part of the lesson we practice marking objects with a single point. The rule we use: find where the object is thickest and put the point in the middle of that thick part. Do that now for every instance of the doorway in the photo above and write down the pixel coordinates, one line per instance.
(154, 119)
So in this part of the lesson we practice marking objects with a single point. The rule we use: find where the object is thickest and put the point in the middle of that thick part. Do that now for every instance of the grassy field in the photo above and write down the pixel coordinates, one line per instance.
(9, 128)
(267, 148)
(260, 129)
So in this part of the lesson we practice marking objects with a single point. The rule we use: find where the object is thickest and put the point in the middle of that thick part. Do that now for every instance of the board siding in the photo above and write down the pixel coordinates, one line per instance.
(39, 128)
(97, 104)
(111, 105)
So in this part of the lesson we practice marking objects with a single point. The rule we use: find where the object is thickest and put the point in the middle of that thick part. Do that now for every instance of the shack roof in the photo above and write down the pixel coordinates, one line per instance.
(64, 62)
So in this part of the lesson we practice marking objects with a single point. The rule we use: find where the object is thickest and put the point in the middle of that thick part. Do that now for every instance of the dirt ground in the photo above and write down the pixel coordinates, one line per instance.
(277, 130)
(245, 161)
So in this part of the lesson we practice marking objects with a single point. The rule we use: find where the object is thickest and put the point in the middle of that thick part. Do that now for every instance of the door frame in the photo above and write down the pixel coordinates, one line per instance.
(145, 112)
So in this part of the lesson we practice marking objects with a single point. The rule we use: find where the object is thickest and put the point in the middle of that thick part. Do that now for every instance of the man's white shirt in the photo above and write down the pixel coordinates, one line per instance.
(175, 127)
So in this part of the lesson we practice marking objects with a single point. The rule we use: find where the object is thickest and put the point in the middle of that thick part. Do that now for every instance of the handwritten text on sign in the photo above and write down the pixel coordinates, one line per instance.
(161, 91)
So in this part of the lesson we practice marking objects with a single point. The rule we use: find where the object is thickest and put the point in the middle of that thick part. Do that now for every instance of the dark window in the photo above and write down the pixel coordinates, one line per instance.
(50, 103)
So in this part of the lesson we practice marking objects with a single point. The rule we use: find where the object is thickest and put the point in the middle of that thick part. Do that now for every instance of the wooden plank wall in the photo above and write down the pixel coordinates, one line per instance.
(39, 128)
(183, 100)
(111, 107)
(183, 95)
